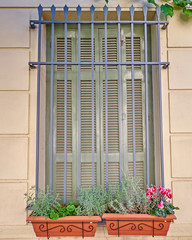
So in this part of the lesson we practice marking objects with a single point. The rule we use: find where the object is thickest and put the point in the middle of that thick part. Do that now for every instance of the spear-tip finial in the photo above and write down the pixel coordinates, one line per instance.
(53, 12)
(40, 11)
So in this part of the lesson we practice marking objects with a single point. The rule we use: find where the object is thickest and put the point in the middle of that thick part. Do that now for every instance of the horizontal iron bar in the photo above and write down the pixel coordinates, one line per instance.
(32, 22)
(135, 220)
(99, 63)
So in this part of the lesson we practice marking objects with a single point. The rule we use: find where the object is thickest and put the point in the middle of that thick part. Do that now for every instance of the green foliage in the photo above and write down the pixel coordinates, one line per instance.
(187, 11)
(41, 202)
(169, 6)
(167, 9)
(63, 210)
(92, 201)
(128, 198)
(153, 2)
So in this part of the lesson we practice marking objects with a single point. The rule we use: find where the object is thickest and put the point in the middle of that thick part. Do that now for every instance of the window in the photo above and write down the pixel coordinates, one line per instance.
(99, 114)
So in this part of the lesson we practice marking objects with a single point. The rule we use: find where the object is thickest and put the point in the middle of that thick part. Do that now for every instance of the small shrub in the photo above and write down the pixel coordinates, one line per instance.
(92, 201)
(129, 197)
(41, 202)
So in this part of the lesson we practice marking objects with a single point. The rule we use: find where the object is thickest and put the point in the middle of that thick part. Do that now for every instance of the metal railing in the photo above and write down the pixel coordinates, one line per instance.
(119, 63)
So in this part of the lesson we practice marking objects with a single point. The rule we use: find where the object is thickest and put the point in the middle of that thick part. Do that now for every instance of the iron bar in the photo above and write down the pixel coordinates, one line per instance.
(79, 96)
(98, 22)
(133, 90)
(118, 9)
(146, 94)
(65, 110)
(105, 9)
(51, 100)
(100, 63)
(158, 11)
(92, 9)
(40, 10)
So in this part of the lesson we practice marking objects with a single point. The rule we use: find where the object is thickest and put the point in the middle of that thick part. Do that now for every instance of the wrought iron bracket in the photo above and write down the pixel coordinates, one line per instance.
(32, 25)
(165, 26)
(45, 227)
(32, 66)
(165, 66)
(137, 227)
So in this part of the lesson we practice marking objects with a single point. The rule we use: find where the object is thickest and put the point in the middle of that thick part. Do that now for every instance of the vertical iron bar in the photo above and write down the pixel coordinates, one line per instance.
(40, 10)
(65, 111)
(51, 100)
(118, 227)
(92, 9)
(118, 9)
(82, 229)
(160, 96)
(106, 97)
(79, 96)
(146, 93)
(133, 89)
(47, 230)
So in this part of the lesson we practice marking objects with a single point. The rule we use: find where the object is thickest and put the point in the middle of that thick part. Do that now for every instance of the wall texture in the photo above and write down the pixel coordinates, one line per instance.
(18, 46)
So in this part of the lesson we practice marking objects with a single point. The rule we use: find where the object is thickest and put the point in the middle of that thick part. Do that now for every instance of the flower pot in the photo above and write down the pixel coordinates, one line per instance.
(137, 224)
(66, 226)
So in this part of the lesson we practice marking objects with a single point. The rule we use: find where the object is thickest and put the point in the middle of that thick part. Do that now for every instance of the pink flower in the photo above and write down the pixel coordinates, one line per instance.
(160, 188)
(160, 205)
(155, 195)
(169, 195)
(154, 188)
(168, 190)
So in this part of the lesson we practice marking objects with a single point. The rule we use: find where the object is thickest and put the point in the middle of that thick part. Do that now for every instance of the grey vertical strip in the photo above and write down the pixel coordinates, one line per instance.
(40, 10)
(79, 96)
(160, 96)
(146, 94)
(118, 9)
(51, 100)
(65, 111)
(133, 89)
(106, 97)
(92, 9)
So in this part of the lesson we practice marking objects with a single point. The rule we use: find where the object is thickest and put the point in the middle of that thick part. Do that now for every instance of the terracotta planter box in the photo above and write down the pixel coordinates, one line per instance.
(137, 224)
(67, 226)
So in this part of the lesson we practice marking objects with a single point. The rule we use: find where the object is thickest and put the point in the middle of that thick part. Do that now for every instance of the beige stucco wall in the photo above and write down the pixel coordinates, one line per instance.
(18, 46)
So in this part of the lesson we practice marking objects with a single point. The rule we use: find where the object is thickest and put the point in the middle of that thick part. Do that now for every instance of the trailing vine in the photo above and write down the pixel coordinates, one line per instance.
(168, 7)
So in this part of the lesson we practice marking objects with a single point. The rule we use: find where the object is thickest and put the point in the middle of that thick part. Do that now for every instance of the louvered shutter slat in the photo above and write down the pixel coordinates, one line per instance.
(86, 53)
(86, 116)
(111, 52)
(60, 116)
(86, 174)
(61, 53)
(137, 51)
(138, 116)
(60, 179)
(113, 120)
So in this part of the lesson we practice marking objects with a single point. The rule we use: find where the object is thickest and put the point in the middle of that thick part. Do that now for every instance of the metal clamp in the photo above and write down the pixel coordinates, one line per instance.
(32, 25)
(165, 26)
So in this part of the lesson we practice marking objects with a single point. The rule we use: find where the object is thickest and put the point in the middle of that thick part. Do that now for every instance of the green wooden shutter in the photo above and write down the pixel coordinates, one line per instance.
(99, 105)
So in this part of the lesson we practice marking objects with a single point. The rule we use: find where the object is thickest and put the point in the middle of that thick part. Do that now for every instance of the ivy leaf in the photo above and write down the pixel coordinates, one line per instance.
(153, 2)
(187, 11)
(180, 3)
(167, 10)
